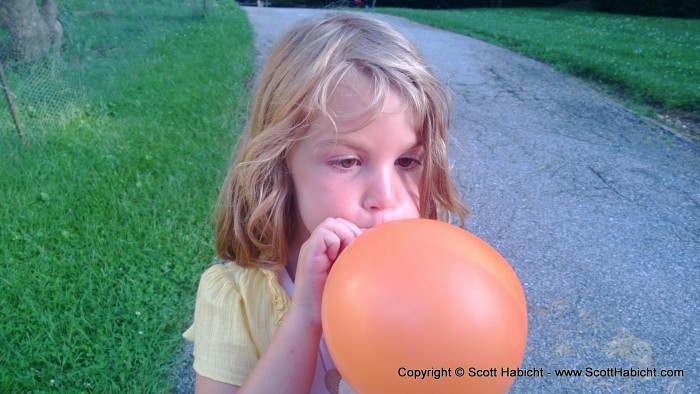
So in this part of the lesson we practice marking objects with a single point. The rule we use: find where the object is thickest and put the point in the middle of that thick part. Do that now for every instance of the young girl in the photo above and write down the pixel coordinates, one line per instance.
(347, 131)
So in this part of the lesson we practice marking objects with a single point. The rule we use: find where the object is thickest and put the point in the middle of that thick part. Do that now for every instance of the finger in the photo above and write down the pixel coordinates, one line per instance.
(343, 233)
(357, 231)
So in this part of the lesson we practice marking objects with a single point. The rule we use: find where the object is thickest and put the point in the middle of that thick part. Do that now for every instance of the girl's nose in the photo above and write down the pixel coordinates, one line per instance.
(382, 191)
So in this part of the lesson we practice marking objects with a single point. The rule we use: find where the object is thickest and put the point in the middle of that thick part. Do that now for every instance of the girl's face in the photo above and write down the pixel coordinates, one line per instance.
(367, 176)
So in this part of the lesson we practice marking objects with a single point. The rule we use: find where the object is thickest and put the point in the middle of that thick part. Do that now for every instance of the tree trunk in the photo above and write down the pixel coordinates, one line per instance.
(34, 31)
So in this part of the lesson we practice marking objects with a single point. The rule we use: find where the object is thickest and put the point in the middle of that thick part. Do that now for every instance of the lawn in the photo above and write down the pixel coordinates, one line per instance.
(651, 62)
(106, 215)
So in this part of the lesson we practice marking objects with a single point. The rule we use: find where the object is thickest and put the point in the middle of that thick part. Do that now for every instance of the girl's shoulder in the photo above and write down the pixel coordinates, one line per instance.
(237, 311)
(226, 282)
(227, 275)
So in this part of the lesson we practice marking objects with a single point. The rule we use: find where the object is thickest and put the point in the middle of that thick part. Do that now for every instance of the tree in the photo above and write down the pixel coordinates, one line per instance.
(34, 30)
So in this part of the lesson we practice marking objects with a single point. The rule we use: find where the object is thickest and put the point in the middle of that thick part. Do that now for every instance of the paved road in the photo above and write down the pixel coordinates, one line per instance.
(597, 210)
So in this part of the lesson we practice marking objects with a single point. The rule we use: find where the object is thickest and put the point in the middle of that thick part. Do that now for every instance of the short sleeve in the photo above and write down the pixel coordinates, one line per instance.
(223, 346)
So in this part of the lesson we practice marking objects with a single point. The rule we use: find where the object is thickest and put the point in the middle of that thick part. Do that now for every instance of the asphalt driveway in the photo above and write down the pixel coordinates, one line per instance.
(597, 210)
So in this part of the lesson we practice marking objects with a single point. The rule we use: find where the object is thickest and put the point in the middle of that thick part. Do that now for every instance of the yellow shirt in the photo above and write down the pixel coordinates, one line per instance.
(238, 311)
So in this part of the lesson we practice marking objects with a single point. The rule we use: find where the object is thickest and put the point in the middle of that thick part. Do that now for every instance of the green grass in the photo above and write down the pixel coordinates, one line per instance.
(652, 61)
(106, 218)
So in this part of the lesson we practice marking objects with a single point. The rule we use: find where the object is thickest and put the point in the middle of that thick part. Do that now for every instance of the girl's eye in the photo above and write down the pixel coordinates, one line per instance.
(407, 163)
(345, 163)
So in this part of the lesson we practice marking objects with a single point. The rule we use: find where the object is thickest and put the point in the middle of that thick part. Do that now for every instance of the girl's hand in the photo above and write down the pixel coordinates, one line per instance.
(316, 257)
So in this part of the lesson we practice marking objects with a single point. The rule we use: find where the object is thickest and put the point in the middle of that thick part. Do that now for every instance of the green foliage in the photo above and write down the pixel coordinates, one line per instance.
(455, 4)
(652, 60)
(106, 218)
(420, 4)
(671, 8)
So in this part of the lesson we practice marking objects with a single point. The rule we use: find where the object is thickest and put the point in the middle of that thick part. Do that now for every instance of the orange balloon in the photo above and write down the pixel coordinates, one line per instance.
(410, 302)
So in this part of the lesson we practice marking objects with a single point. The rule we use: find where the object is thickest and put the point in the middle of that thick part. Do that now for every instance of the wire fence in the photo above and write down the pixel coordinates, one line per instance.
(99, 36)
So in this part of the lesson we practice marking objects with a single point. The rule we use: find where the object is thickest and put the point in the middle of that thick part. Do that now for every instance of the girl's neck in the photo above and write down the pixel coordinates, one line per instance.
(299, 235)
(292, 256)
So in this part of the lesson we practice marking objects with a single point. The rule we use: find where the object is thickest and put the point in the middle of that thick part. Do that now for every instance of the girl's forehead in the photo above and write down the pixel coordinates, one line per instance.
(349, 99)
(349, 122)
(354, 102)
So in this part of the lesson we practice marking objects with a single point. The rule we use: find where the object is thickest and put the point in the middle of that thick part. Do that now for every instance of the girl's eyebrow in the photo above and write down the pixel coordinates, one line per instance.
(333, 142)
(353, 144)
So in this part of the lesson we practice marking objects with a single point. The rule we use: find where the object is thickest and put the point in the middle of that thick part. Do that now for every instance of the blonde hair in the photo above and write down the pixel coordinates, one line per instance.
(256, 205)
